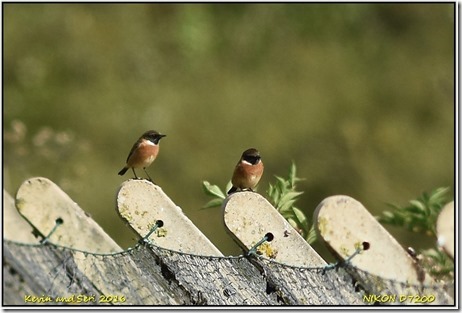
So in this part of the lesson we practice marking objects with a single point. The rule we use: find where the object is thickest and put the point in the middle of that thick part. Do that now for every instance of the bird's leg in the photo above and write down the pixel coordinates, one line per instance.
(150, 179)
(133, 169)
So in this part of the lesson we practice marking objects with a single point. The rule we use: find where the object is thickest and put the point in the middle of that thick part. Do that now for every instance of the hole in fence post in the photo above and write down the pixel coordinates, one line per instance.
(366, 245)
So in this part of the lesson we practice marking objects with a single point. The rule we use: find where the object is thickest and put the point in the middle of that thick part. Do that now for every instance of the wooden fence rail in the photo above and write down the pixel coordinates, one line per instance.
(62, 256)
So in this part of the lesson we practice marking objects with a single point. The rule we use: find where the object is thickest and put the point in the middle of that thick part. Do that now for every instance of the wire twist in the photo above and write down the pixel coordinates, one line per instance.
(59, 221)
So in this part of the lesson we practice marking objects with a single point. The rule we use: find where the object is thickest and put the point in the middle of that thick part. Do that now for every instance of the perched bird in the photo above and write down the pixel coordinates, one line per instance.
(143, 152)
(248, 171)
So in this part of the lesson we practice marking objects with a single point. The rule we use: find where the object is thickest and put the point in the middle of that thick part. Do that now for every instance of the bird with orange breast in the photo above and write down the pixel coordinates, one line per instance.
(248, 171)
(143, 152)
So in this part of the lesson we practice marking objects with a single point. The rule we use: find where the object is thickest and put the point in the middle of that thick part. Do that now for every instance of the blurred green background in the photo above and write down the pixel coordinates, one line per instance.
(359, 96)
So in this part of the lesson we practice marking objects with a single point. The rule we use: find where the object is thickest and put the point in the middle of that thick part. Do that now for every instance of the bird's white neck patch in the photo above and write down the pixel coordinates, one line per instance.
(246, 162)
(149, 143)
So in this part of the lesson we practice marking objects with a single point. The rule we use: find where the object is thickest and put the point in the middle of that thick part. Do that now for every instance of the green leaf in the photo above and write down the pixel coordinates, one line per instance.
(213, 190)
(290, 195)
(292, 222)
(228, 186)
(282, 183)
(419, 205)
(301, 218)
(286, 206)
(273, 193)
(213, 203)
(312, 235)
(440, 194)
(292, 174)
(288, 214)
(389, 218)
(418, 210)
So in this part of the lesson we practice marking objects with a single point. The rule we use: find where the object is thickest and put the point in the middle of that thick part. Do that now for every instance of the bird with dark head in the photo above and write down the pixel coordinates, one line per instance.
(143, 152)
(248, 171)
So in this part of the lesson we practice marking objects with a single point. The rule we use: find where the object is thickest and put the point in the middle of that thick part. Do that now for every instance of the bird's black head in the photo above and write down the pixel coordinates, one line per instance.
(153, 136)
(251, 155)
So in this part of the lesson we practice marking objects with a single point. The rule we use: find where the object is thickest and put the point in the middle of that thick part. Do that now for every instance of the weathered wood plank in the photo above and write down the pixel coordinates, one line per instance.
(41, 272)
(248, 217)
(42, 203)
(445, 228)
(186, 256)
(297, 276)
(14, 226)
(344, 224)
(211, 280)
(66, 276)
(310, 286)
(141, 203)
(79, 232)
(125, 275)
(152, 274)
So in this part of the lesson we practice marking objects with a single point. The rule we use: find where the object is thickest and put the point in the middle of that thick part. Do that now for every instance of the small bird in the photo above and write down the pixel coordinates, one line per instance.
(143, 152)
(248, 171)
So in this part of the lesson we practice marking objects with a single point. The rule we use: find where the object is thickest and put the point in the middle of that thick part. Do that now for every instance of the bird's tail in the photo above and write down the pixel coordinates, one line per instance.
(123, 171)
(233, 189)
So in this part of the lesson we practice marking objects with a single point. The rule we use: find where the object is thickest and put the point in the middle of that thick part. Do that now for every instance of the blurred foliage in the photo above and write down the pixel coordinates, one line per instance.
(282, 195)
(360, 96)
(438, 264)
(421, 216)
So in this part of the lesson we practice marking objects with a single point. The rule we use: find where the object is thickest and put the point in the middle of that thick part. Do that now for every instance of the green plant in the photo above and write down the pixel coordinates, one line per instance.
(282, 195)
(216, 193)
(421, 216)
(438, 264)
